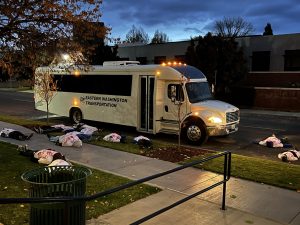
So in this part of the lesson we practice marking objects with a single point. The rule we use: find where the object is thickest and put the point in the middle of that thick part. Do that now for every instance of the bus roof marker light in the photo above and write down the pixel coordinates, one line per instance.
(157, 73)
(169, 63)
(76, 73)
(163, 64)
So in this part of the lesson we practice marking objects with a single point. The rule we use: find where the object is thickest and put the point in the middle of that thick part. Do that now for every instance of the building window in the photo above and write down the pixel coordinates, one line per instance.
(292, 60)
(159, 59)
(261, 61)
(142, 60)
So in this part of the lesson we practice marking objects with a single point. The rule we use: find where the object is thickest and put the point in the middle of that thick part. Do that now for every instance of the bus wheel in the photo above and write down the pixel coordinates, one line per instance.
(76, 115)
(195, 133)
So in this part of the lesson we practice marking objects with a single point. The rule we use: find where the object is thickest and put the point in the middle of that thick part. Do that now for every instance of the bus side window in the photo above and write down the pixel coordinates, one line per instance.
(175, 92)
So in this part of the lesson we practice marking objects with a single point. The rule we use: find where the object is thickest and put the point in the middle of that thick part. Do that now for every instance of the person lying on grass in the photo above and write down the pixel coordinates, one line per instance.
(291, 155)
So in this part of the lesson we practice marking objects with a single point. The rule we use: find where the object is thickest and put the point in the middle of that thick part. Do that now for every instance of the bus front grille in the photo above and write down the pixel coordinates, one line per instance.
(232, 116)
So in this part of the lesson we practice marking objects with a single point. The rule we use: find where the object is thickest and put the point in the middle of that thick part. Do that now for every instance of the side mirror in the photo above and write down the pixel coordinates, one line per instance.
(173, 93)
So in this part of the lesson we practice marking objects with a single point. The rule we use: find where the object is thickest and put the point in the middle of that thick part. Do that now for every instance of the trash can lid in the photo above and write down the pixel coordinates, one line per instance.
(56, 174)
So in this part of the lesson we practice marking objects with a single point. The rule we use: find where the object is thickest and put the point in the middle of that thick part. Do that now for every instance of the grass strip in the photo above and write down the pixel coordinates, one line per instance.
(20, 121)
(278, 174)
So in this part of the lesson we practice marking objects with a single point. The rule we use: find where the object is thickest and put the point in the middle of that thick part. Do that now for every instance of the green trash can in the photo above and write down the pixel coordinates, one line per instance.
(57, 181)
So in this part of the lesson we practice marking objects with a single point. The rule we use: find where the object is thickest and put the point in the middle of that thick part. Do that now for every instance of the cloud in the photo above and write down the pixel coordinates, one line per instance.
(194, 17)
(192, 29)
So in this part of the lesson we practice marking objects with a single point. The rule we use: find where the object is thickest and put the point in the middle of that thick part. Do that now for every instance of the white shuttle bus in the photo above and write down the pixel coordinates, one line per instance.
(143, 96)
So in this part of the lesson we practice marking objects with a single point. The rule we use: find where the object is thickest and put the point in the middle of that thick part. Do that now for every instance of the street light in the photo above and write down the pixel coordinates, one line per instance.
(66, 57)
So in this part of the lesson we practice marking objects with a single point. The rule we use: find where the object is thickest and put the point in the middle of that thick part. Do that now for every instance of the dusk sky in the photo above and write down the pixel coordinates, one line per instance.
(182, 19)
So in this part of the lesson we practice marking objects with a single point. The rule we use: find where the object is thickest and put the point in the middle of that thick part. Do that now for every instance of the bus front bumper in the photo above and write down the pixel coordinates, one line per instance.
(222, 129)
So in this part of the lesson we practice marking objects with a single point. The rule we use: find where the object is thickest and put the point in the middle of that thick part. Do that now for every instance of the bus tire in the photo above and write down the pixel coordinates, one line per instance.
(195, 133)
(76, 115)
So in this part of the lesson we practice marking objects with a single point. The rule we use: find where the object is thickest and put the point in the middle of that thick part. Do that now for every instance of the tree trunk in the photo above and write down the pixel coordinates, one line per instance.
(179, 126)
(47, 113)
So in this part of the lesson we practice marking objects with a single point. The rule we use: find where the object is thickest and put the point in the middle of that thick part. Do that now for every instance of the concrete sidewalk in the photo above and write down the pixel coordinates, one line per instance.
(247, 202)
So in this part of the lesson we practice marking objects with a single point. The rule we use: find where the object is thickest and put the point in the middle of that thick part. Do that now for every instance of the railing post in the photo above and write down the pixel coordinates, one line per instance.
(66, 213)
(224, 180)
(229, 166)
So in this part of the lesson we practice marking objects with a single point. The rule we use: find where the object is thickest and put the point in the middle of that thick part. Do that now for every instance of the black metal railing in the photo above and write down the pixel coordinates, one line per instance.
(66, 200)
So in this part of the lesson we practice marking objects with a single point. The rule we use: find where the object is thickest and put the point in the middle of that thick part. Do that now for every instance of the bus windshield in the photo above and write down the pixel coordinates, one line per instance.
(198, 91)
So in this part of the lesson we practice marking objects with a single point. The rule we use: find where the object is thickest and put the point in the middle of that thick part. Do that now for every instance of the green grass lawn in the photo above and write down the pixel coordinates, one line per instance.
(279, 174)
(21, 121)
(14, 165)
(129, 146)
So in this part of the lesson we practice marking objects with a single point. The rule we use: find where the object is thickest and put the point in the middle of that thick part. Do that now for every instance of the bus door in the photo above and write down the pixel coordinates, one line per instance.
(146, 102)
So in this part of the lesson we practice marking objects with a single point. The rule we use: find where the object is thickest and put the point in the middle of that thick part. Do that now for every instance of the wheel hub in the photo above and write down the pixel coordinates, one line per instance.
(194, 133)
(77, 116)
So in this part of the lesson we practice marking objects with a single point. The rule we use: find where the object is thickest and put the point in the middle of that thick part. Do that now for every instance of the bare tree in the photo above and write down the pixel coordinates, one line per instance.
(233, 27)
(45, 85)
(182, 81)
(45, 88)
(159, 37)
(137, 35)
(177, 99)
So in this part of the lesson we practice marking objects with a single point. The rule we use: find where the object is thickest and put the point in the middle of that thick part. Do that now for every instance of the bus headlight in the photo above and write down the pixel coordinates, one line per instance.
(214, 119)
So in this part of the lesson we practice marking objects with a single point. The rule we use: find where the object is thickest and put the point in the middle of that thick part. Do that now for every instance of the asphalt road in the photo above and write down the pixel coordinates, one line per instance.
(252, 127)
(18, 104)
(255, 126)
